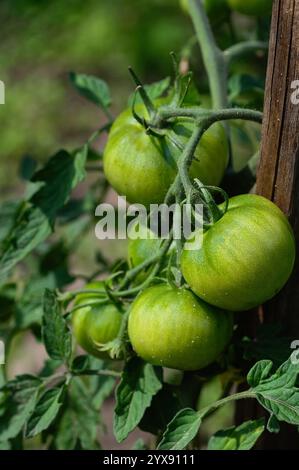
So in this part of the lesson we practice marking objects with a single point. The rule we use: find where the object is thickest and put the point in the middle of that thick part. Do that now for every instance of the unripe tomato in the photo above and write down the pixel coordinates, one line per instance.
(142, 167)
(252, 7)
(142, 248)
(172, 328)
(245, 258)
(95, 325)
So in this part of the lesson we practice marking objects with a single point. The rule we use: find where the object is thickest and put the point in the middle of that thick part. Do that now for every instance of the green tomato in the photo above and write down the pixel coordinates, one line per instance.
(172, 328)
(145, 247)
(142, 248)
(245, 258)
(252, 7)
(216, 9)
(95, 325)
(142, 167)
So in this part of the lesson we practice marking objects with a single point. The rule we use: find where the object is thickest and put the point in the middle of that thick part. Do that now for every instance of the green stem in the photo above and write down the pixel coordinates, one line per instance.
(68, 296)
(238, 50)
(90, 304)
(121, 337)
(134, 290)
(237, 396)
(104, 128)
(187, 156)
(166, 112)
(213, 57)
(108, 373)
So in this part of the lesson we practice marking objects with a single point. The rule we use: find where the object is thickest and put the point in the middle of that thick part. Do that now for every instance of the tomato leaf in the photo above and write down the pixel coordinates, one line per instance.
(35, 217)
(139, 383)
(162, 409)
(80, 420)
(45, 411)
(67, 433)
(258, 372)
(273, 424)
(105, 386)
(56, 334)
(242, 437)
(94, 89)
(17, 404)
(27, 167)
(154, 90)
(8, 214)
(277, 393)
(181, 430)
(29, 308)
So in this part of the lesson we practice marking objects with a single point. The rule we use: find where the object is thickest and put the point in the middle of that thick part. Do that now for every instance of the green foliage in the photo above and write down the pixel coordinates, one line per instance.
(56, 335)
(241, 437)
(17, 403)
(139, 383)
(92, 88)
(45, 411)
(278, 393)
(63, 405)
(35, 218)
(181, 430)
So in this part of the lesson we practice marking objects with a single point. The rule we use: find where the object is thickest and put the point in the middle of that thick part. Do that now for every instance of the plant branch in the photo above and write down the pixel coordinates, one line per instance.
(197, 113)
(104, 372)
(237, 396)
(213, 57)
(237, 50)
(158, 258)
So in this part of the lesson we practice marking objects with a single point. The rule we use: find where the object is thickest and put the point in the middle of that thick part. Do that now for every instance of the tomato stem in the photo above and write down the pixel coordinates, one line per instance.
(213, 57)
(237, 396)
(238, 50)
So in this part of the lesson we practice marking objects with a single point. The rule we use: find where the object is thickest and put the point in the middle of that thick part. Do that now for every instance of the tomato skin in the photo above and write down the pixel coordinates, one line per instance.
(142, 167)
(96, 324)
(245, 258)
(172, 328)
(252, 7)
(143, 248)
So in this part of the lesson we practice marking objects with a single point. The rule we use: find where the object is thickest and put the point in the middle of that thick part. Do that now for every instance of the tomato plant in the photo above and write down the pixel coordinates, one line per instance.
(172, 328)
(163, 305)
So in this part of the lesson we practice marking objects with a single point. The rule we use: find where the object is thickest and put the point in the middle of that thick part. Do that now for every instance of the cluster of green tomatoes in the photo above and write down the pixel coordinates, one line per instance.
(245, 257)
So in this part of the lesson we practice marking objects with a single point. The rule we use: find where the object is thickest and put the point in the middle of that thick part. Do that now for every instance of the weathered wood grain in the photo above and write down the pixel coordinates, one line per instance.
(278, 174)
(278, 180)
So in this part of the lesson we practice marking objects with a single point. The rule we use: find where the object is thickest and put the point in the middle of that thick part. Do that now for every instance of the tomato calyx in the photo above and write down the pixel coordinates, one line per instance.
(156, 126)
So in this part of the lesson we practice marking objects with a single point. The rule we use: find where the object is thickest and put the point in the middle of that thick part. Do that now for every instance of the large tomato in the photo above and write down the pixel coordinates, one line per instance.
(173, 328)
(142, 167)
(245, 258)
(95, 325)
(252, 7)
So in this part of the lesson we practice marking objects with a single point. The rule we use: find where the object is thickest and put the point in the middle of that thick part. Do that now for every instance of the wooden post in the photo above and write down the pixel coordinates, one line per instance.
(278, 174)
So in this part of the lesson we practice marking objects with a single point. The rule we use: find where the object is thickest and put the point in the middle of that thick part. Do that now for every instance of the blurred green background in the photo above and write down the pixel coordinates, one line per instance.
(42, 41)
